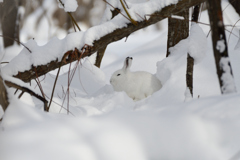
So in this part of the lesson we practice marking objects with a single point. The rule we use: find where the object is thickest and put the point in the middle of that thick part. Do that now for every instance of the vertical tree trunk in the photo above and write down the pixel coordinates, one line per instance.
(177, 29)
(220, 48)
(3, 95)
(9, 11)
(190, 60)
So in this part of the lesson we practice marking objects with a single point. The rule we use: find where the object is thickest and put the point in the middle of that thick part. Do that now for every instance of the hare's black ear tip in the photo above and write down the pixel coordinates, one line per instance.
(129, 58)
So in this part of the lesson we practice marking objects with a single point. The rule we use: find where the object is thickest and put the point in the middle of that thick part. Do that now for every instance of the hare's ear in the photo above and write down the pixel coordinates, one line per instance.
(127, 63)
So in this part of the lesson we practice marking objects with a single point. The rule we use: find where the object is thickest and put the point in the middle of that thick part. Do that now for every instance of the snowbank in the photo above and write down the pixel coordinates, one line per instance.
(108, 125)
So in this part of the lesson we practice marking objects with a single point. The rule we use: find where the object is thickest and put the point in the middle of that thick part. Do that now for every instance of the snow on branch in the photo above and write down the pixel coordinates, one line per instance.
(76, 46)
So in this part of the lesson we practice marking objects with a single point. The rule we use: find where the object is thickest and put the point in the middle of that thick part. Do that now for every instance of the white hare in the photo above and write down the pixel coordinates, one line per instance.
(137, 85)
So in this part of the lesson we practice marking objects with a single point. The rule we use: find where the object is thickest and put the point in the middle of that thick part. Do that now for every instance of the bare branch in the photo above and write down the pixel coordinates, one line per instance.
(24, 89)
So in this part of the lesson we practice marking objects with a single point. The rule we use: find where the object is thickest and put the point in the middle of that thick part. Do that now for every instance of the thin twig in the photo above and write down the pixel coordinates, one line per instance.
(116, 10)
(20, 95)
(70, 78)
(15, 91)
(17, 42)
(59, 105)
(55, 82)
(73, 26)
(69, 13)
(54, 85)
(4, 62)
(74, 21)
(126, 3)
(24, 89)
(39, 84)
(56, 78)
(232, 30)
(129, 16)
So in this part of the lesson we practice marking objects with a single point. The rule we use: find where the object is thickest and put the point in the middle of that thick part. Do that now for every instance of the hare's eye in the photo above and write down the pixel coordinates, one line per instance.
(118, 74)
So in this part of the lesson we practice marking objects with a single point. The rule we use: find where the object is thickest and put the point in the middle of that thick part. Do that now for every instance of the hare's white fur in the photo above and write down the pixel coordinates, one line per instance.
(137, 85)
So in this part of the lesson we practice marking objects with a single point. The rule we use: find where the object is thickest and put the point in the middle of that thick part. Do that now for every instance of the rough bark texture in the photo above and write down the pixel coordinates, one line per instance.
(236, 5)
(177, 29)
(8, 12)
(3, 95)
(116, 35)
(218, 35)
(190, 60)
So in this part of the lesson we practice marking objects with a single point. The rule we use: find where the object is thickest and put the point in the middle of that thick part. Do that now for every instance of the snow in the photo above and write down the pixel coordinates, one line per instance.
(177, 17)
(1, 54)
(103, 124)
(1, 1)
(197, 43)
(69, 5)
(193, 130)
(188, 95)
(238, 43)
(227, 77)
(220, 46)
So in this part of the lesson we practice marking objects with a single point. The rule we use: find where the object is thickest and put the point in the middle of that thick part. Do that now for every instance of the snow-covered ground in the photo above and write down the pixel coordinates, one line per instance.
(107, 125)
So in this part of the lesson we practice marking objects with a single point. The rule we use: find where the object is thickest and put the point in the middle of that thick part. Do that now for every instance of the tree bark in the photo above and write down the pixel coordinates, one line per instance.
(115, 35)
(220, 48)
(190, 60)
(9, 12)
(3, 95)
(177, 29)
(236, 5)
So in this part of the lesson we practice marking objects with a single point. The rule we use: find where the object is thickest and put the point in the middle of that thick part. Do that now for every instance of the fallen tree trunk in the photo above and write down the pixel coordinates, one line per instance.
(99, 44)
